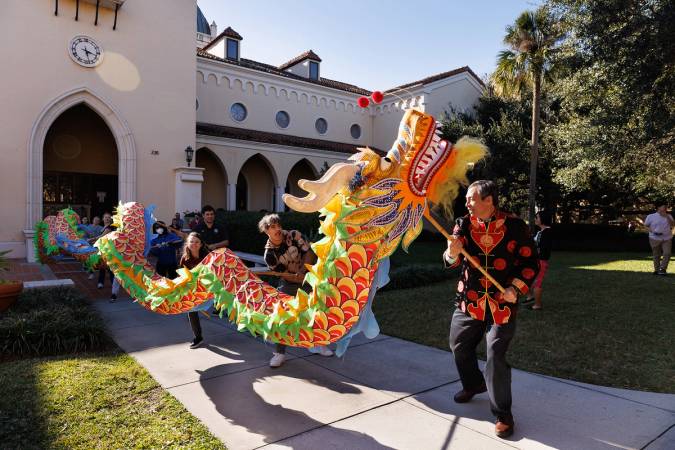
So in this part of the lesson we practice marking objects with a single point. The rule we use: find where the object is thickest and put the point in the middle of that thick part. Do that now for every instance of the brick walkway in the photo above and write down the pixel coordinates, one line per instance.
(21, 270)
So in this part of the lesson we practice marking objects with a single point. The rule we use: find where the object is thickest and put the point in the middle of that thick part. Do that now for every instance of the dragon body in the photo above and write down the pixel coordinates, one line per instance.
(370, 206)
(57, 236)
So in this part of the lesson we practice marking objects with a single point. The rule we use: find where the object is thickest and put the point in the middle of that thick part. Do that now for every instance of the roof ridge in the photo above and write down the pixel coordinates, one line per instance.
(309, 54)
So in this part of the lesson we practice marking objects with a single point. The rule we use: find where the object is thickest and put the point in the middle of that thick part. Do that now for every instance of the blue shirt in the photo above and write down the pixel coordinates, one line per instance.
(164, 248)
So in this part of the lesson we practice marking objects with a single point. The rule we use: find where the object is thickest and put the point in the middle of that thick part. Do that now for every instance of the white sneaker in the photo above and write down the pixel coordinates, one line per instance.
(91, 276)
(99, 286)
(325, 351)
(277, 359)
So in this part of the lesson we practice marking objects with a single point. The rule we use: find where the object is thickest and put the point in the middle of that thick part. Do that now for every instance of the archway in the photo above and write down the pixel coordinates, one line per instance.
(124, 142)
(260, 184)
(301, 170)
(79, 164)
(214, 187)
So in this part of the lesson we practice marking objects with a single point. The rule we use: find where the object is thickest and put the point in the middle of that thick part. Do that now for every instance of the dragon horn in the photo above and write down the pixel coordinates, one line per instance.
(321, 191)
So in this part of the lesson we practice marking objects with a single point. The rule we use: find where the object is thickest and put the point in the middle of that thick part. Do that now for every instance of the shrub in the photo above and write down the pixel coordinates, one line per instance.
(416, 275)
(243, 228)
(592, 237)
(50, 322)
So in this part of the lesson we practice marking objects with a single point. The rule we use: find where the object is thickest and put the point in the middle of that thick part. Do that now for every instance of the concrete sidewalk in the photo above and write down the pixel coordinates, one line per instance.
(385, 393)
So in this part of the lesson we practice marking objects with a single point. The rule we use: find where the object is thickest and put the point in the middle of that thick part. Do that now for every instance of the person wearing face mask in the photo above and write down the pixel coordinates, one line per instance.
(163, 247)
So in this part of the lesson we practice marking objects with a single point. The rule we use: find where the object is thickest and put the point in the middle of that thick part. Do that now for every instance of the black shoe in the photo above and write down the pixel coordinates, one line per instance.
(527, 300)
(465, 395)
(113, 298)
(504, 427)
(656, 272)
(661, 272)
(197, 342)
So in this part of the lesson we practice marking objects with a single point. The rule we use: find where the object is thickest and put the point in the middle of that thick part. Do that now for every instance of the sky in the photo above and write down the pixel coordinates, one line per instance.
(372, 44)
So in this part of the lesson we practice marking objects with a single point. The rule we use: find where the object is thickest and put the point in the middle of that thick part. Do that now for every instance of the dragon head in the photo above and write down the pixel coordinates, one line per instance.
(386, 196)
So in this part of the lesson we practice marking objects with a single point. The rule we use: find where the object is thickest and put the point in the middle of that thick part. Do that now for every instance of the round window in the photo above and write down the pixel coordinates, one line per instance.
(321, 125)
(355, 131)
(283, 119)
(238, 112)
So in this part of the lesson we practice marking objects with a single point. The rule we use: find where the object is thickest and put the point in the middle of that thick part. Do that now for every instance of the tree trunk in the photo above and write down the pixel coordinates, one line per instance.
(534, 151)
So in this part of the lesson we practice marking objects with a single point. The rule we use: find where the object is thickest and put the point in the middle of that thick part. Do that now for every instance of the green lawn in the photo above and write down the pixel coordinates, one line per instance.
(606, 320)
(86, 401)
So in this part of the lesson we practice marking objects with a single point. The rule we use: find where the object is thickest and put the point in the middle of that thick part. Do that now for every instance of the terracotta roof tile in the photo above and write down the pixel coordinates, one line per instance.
(307, 55)
(210, 129)
(255, 65)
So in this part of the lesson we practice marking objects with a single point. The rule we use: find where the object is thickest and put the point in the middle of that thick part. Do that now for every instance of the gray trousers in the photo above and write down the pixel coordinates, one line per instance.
(465, 335)
(661, 251)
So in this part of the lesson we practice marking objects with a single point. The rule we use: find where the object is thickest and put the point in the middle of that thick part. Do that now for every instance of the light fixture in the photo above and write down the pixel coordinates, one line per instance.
(189, 152)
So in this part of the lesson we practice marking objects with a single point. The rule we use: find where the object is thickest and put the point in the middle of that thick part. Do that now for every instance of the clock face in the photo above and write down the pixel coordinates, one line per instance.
(85, 51)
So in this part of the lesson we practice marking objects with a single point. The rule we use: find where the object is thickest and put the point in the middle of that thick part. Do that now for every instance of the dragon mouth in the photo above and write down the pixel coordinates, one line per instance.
(427, 162)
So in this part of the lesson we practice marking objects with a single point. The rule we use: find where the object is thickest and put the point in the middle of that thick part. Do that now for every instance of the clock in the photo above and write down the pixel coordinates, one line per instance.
(85, 51)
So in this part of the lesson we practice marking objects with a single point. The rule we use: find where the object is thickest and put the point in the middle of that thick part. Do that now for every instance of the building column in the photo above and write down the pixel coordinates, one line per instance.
(189, 188)
(232, 196)
(30, 248)
(279, 205)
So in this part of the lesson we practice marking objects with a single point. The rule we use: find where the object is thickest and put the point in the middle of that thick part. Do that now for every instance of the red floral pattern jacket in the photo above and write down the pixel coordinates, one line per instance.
(504, 247)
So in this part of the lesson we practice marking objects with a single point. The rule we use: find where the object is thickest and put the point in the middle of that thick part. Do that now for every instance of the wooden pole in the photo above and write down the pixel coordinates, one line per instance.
(470, 258)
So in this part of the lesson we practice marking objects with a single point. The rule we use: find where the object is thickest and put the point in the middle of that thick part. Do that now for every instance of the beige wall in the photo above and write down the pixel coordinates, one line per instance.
(461, 90)
(147, 77)
(80, 141)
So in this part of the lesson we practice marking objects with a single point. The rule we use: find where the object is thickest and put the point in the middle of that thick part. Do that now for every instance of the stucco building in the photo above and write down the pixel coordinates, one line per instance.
(98, 108)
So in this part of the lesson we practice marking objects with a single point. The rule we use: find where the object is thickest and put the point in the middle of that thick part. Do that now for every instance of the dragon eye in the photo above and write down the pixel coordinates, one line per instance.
(385, 163)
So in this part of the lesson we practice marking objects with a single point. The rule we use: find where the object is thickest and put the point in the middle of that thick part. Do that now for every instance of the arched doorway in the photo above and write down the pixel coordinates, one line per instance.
(260, 183)
(301, 170)
(124, 141)
(80, 164)
(214, 187)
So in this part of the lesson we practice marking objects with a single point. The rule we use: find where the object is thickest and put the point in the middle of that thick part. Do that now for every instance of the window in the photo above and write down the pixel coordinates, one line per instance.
(313, 70)
(355, 131)
(321, 125)
(232, 49)
(238, 112)
(283, 119)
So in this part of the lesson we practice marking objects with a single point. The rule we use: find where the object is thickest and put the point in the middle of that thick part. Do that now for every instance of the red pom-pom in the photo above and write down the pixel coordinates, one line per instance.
(363, 102)
(377, 96)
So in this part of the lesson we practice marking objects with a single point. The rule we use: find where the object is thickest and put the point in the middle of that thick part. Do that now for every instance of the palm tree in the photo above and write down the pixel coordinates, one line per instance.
(531, 41)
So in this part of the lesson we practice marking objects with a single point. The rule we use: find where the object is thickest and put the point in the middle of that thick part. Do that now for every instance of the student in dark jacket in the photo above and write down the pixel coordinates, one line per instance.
(163, 247)
(544, 241)
(194, 251)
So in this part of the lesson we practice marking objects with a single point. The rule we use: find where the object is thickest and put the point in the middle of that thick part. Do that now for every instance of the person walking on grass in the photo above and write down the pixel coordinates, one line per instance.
(194, 251)
(660, 225)
(504, 248)
(287, 252)
(544, 241)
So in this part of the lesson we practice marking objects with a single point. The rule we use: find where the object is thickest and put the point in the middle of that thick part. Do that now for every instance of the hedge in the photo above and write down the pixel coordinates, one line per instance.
(50, 322)
(244, 234)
